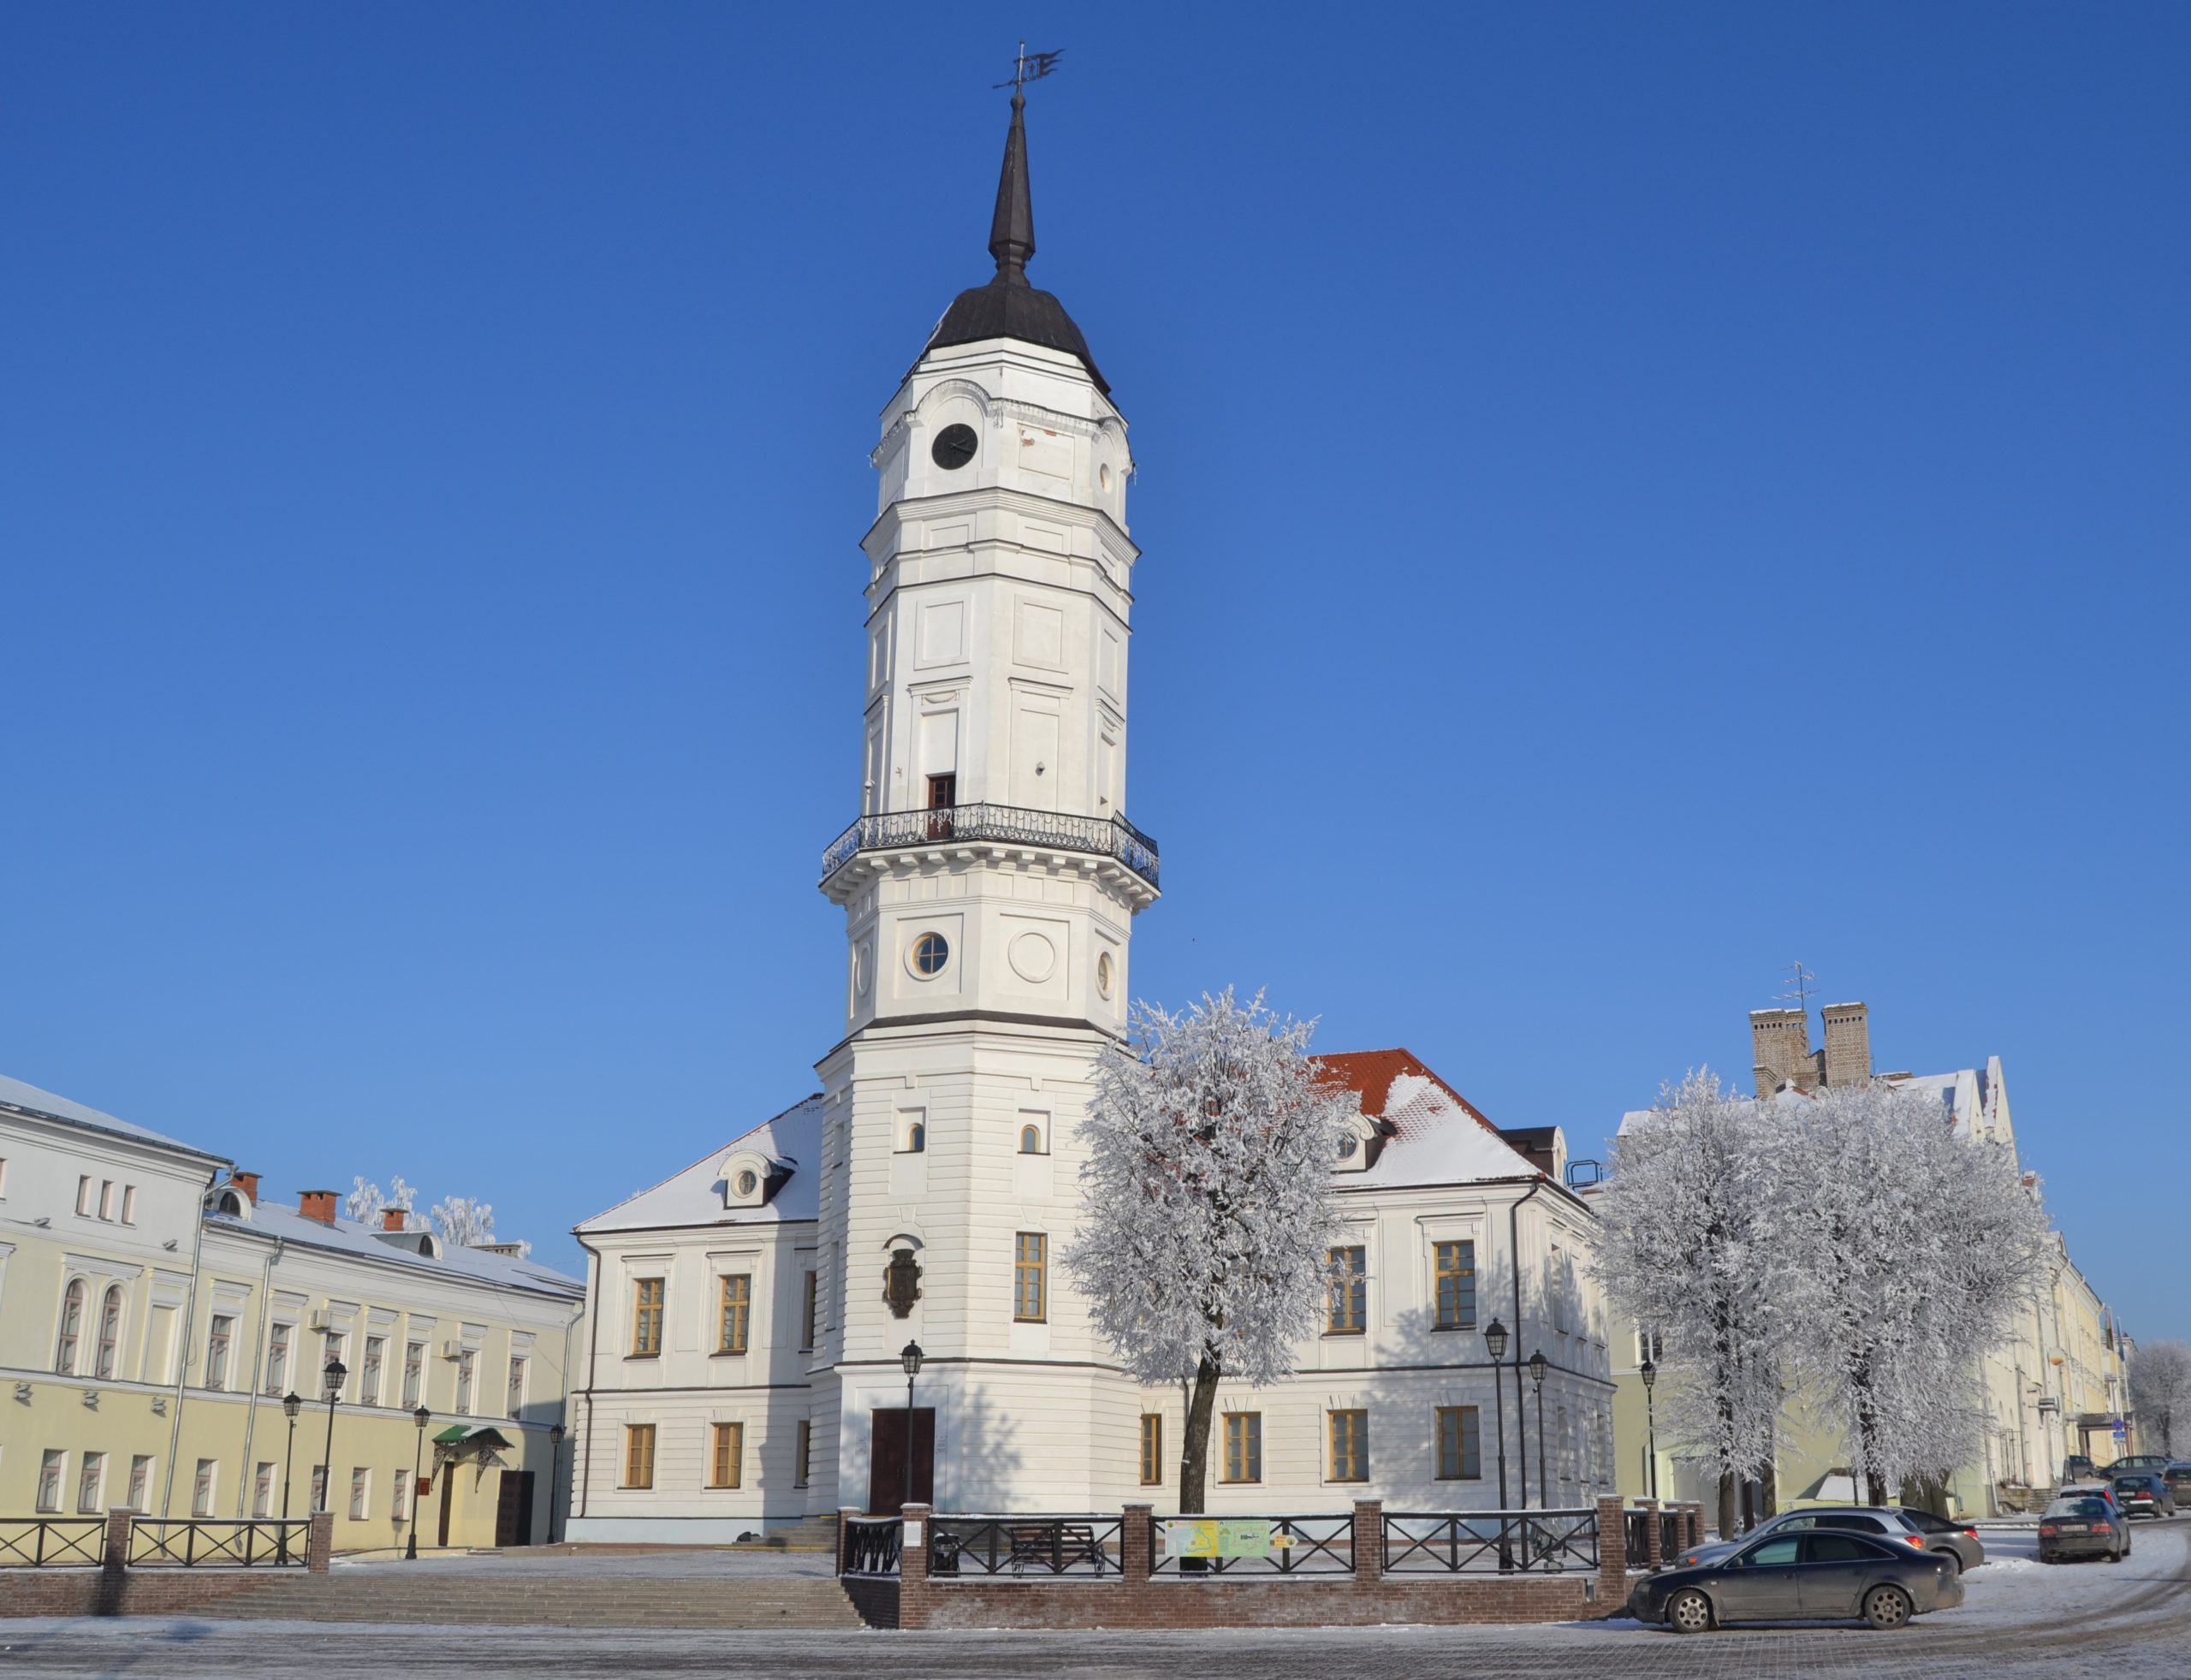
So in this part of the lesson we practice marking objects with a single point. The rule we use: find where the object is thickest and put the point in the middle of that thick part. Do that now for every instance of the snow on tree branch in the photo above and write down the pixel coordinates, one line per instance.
(2160, 1395)
(463, 1222)
(1206, 1210)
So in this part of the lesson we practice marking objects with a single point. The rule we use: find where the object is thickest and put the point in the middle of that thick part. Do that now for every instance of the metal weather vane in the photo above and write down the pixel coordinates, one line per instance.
(1031, 67)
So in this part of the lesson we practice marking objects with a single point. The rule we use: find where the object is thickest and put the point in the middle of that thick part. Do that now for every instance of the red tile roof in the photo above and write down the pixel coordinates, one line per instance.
(1369, 1074)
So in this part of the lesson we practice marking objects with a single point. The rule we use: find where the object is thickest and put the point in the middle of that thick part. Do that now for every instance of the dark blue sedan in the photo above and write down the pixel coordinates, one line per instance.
(1807, 1577)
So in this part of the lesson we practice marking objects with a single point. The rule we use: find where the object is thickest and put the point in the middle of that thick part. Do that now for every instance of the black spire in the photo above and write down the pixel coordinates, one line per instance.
(1008, 307)
(1011, 230)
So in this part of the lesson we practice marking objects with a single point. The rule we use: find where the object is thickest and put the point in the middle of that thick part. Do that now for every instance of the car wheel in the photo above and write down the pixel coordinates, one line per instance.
(1887, 1607)
(1688, 1613)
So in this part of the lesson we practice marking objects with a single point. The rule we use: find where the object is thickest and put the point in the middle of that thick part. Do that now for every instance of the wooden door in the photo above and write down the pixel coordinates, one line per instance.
(445, 1474)
(886, 1472)
(514, 1509)
(942, 795)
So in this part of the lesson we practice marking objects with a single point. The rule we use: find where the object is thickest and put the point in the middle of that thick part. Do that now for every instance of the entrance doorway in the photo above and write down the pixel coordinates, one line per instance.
(513, 1510)
(886, 1474)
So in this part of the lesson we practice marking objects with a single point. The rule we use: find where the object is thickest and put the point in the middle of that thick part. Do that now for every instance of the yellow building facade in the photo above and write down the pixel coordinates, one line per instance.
(156, 1313)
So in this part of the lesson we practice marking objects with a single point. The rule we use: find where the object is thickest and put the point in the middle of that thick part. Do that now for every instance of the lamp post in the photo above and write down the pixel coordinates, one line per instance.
(554, 1473)
(911, 1357)
(1649, 1373)
(292, 1403)
(1494, 1343)
(336, 1371)
(421, 1417)
(1537, 1367)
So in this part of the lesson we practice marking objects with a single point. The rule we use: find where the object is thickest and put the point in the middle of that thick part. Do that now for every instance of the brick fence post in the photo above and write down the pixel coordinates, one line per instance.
(1612, 1557)
(116, 1555)
(1137, 1561)
(913, 1589)
(1369, 1543)
(319, 1546)
(1653, 1536)
(846, 1515)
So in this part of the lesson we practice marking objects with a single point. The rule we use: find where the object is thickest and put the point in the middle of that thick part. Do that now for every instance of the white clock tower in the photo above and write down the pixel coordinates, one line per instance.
(989, 885)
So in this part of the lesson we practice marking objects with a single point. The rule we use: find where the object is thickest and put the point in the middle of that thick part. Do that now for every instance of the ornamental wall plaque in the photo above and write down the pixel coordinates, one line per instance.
(901, 1283)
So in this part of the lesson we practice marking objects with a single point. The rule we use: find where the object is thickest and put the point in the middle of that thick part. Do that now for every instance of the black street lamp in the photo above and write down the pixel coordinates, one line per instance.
(422, 1417)
(911, 1354)
(292, 1403)
(336, 1371)
(554, 1473)
(1537, 1367)
(1649, 1373)
(1494, 1343)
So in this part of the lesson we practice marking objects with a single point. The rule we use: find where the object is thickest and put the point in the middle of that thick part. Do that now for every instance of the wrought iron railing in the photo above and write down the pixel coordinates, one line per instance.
(38, 1542)
(1084, 1547)
(246, 1543)
(1112, 837)
(1452, 1543)
(1303, 1546)
(871, 1545)
(1670, 1541)
(1635, 1536)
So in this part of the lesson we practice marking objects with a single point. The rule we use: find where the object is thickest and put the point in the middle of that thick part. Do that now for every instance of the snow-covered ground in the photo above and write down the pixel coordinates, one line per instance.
(2014, 1588)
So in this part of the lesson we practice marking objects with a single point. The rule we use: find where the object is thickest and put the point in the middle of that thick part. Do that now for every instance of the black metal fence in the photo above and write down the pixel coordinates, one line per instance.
(1452, 1542)
(871, 1545)
(1636, 1526)
(1250, 1546)
(40, 1542)
(1085, 1547)
(232, 1543)
(1112, 837)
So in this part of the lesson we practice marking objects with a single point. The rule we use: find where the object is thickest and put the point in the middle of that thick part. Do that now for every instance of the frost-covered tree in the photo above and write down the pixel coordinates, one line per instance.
(2160, 1394)
(1207, 1211)
(1694, 1245)
(463, 1222)
(1910, 1250)
(365, 1201)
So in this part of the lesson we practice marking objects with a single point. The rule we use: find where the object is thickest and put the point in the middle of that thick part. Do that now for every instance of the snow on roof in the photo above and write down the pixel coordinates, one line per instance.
(14, 1094)
(1439, 1137)
(695, 1196)
(350, 1237)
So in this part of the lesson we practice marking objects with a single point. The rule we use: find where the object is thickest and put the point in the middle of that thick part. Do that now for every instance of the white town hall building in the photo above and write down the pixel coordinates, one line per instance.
(747, 1316)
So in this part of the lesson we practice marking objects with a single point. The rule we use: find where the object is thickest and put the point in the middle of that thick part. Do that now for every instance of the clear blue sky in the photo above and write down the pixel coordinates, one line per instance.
(1631, 497)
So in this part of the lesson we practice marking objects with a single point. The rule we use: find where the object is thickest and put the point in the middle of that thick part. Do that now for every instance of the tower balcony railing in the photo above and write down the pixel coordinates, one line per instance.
(1112, 837)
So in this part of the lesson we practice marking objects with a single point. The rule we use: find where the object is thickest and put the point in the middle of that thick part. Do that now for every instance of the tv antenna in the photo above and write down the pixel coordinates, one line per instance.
(1030, 67)
(1802, 983)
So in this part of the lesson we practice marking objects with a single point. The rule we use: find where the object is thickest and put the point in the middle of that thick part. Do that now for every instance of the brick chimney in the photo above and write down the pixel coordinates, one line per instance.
(316, 1204)
(1780, 1047)
(1847, 1043)
(394, 1219)
(245, 1182)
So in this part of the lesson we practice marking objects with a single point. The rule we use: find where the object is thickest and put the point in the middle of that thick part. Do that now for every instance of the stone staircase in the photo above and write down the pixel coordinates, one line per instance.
(482, 1597)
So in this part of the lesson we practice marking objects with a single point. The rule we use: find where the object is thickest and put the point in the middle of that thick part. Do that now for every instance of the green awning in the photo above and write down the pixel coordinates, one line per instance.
(469, 1435)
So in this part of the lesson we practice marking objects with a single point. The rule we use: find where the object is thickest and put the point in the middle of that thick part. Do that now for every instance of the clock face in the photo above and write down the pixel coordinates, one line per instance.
(953, 447)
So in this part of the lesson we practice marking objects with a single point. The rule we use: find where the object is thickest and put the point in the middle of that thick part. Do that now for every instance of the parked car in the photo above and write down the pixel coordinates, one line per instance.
(1814, 1575)
(1943, 1534)
(2077, 1468)
(2179, 1479)
(1885, 1521)
(2083, 1525)
(2144, 1494)
(2101, 1489)
(2138, 1461)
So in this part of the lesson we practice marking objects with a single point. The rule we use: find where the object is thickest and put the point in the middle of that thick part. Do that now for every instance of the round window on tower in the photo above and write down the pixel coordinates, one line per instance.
(930, 953)
(748, 1182)
(1103, 973)
(953, 447)
(1104, 477)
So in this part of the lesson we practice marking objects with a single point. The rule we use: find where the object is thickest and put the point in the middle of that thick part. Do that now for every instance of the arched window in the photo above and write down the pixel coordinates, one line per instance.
(1030, 1140)
(72, 1328)
(110, 1331)
(916, 1137)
